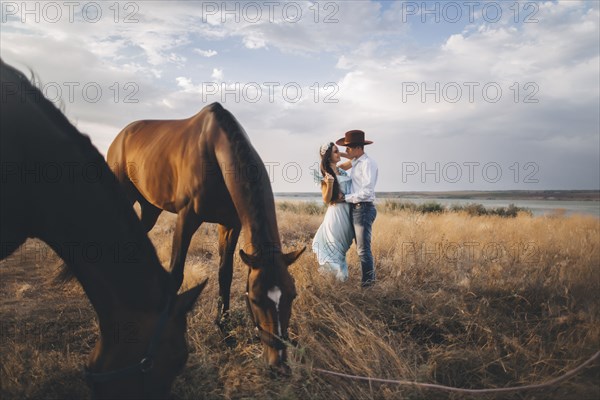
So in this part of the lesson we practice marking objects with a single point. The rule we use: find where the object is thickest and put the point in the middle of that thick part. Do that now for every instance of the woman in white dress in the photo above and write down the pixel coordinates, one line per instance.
(334, 236)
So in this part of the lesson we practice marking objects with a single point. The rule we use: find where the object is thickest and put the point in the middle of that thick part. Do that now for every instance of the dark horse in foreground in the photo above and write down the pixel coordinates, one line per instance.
(205, 169)
(57, 187)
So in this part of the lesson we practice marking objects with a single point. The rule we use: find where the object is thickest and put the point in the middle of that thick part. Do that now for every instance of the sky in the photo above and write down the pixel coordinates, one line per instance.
(455, 95)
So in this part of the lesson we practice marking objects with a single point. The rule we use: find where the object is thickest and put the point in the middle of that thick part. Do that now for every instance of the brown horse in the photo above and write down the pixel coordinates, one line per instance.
(57, 187)
(204, 169)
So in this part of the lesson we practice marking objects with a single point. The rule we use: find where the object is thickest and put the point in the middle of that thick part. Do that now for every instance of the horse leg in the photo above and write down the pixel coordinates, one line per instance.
(150, 214)
(228, 238)
(187, 223)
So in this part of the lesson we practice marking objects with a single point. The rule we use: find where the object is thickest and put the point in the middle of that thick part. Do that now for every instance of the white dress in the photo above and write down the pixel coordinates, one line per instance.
(334, 236)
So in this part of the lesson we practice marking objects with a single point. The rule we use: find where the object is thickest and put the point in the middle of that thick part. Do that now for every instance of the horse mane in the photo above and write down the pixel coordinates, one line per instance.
(257, 189)
(91, 154)
(53, 113)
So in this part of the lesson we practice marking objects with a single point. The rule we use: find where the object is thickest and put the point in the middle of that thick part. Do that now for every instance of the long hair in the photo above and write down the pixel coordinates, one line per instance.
(326, 168)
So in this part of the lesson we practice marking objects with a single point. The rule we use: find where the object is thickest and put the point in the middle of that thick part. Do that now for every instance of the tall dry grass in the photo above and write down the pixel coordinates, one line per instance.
(465, 301)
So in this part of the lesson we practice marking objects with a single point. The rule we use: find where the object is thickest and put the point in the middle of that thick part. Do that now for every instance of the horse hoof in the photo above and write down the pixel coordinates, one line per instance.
(224, 324)
(280, 371)
(230, 341)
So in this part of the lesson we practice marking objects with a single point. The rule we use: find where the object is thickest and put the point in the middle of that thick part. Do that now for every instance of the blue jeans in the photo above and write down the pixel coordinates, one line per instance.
(363, 215)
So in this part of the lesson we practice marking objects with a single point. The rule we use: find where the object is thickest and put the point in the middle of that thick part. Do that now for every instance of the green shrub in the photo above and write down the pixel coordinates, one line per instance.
(431, 207)
(472, 209)
(302, 207)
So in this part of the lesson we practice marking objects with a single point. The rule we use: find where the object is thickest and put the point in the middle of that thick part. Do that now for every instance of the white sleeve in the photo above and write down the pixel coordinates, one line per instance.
(365, 190)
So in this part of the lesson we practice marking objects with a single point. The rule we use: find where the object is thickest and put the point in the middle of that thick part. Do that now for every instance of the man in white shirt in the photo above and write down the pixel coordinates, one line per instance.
(364, 177)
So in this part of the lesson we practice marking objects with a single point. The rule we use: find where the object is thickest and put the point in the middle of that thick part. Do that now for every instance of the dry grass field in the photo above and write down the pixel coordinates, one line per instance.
(472, 302)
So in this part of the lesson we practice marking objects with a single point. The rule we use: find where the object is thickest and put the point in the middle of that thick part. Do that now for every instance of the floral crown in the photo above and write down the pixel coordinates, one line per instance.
(325, 147)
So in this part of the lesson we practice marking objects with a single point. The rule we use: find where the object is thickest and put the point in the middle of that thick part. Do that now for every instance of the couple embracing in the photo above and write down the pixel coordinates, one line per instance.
(351, 210)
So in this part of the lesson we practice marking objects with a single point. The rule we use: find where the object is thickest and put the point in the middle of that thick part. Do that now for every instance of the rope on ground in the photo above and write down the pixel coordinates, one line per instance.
(551, 382)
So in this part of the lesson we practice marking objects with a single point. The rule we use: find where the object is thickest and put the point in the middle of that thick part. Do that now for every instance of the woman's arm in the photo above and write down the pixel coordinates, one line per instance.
(327, 188)
(346, 165)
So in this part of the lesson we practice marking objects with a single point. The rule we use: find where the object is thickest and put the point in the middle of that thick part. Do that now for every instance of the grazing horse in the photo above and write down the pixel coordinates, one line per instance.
(205, 169)
(57, 187)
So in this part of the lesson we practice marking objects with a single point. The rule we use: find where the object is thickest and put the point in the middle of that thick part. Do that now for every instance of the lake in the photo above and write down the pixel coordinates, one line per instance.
(537, 207)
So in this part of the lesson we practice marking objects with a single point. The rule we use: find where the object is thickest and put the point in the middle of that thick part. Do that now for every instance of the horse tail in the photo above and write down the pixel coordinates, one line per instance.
(245, 176)
(245, 169)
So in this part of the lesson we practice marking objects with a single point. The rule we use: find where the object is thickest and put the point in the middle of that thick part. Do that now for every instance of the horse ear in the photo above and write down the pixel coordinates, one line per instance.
(176, 279)
(249, 260)
(186, 300)
(289, 258)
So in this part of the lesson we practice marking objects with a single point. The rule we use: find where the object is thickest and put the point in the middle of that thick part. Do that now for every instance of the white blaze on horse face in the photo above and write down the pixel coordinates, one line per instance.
(275, 295)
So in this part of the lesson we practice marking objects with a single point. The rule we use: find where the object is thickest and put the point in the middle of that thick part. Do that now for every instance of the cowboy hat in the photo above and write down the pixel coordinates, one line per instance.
(353, 138)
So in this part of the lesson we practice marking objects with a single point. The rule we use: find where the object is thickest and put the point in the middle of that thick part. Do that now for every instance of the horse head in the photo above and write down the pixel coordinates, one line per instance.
(140, 353)
(270, 293)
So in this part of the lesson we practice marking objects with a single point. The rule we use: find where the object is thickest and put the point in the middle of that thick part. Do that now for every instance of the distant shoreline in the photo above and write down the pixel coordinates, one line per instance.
(564, 195)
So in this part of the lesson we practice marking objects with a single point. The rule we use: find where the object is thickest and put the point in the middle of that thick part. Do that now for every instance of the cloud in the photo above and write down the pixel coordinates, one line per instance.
(407, 84)
(206, 53)
(217, 74)
(254, 41)
(186, 84)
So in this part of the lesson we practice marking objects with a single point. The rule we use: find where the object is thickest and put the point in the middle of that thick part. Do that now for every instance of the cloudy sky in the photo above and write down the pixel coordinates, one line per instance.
(465, 95)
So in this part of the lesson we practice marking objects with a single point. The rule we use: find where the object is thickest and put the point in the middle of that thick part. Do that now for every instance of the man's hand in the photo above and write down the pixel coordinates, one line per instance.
(341, 198)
